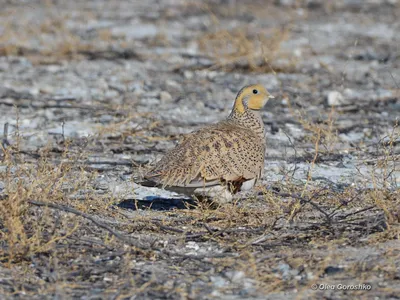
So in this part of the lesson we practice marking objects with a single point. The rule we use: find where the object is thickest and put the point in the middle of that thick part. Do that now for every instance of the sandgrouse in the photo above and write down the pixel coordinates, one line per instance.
(220, 159)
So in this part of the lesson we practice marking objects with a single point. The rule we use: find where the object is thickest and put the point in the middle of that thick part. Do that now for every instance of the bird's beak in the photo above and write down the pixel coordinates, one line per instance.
(270, 97)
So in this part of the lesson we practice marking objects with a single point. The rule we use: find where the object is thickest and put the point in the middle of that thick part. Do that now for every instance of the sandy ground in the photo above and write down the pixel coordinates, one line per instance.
(92, 92)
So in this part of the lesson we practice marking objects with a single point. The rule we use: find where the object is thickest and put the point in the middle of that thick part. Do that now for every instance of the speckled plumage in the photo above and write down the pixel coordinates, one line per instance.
(229, 152)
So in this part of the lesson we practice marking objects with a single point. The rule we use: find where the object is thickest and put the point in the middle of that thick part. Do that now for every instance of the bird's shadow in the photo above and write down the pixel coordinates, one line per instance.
(158, 203)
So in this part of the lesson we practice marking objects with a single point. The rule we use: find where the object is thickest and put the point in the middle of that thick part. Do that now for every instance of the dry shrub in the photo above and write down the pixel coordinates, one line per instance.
(43, 34)
(386, 193)
(381, 191)
(252, 47)
(51, 36)
(241, 49)
(25, 231)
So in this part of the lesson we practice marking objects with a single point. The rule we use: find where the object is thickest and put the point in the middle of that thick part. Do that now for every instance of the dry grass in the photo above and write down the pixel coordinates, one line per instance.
(324, 136)
(289, 224)
(44, 36)
(26, 233)
(250, 48)
(18, 35)
(240, 49)
(296, 218)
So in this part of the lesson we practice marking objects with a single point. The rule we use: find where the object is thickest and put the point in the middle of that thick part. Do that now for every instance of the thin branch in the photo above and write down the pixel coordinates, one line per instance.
(305, 201)
(68, 209)
(357, 212)
(125, 239)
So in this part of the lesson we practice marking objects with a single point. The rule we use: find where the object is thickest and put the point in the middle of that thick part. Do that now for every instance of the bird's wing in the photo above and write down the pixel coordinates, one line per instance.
(216, 153)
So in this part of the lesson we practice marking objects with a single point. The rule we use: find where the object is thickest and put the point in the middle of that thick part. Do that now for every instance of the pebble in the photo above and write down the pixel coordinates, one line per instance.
(193, 245)
(165, 96)
(149, 101)
(135, 30)
(286, 271)
(219, 281)
(235, 276)
(335, 98)
(188, 74)
(110, 94)
(173, 85)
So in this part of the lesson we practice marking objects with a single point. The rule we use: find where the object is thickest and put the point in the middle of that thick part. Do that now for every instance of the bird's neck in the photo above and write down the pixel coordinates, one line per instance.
(250, 119)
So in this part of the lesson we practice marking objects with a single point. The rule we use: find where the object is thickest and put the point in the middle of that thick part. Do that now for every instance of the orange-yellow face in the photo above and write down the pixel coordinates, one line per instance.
(252, 97)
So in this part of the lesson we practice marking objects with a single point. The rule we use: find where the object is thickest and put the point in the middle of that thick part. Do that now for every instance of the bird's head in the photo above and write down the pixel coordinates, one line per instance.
(251, 97)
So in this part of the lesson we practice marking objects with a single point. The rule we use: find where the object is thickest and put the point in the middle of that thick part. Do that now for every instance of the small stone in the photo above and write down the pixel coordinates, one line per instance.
(172, 85)
(235, 276)
(165, 96)
(219, 281)
(149, 101)
(199, 105)
(188, 74)
(111, 94)
(335, 98)
(284, 269)
(106, 118)
(297, 52)
(211, 74)
(286, 2)
(53, 68)
(47, 89)
(193, 245)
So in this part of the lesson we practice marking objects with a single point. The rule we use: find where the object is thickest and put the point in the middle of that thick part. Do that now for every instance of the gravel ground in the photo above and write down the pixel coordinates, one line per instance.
(91, 92)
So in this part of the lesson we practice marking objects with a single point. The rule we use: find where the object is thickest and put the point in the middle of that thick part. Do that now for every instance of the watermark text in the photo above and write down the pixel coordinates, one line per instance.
(340, 286)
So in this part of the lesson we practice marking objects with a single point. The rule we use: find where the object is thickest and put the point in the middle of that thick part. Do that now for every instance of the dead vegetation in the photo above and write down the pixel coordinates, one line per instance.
(44, 225)
(53, 39)
(239, 49)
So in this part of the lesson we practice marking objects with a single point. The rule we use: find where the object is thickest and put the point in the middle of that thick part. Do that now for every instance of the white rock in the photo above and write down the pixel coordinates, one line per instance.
(173, 85)
(135, 30)
(165, 96)
(335, 98)
(188, 74)
(297, 52)
(192, 245)
(236, 276)
(219, 281)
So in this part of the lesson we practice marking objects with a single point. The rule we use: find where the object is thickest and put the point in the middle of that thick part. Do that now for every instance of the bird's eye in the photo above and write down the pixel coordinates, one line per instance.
(255, 92)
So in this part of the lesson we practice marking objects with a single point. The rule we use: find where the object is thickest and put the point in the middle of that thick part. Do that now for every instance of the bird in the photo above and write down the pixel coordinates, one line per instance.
(219, 159)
